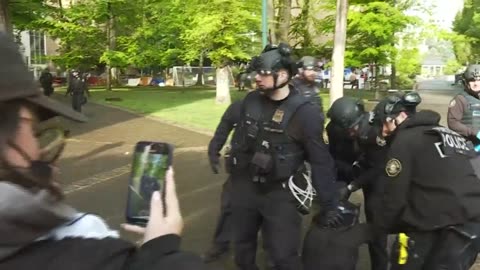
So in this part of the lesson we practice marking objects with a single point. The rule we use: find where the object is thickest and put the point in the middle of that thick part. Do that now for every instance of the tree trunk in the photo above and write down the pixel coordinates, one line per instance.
(307, 40)
(200, 71)
(223, 85)
(5, 23)
(111, 73)
(338, 58)
(272, 24)
(285, 14)
(393, 77)
(378, 95)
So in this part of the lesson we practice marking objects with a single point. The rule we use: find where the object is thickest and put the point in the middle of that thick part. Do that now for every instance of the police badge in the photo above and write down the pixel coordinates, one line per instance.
(393, 168)
(278, 116)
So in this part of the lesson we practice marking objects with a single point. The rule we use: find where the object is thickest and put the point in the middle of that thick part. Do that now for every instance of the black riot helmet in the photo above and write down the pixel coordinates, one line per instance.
(271, 60)
(472, 73)
(346, 112)
(307, 63)
(391, 106)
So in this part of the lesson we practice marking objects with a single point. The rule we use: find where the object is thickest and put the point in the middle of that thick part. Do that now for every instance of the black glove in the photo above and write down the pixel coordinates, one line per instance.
(331, 219)
(214, 162)
(356, 169)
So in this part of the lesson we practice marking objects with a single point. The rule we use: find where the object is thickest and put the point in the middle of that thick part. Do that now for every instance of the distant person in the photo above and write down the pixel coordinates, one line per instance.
(78, 88)
(46, 80)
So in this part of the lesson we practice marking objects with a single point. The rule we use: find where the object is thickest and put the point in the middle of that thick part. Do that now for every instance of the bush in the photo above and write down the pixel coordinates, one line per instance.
(404, 82)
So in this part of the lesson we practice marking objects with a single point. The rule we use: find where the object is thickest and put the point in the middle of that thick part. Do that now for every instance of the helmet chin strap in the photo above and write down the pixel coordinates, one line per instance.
(272, 89)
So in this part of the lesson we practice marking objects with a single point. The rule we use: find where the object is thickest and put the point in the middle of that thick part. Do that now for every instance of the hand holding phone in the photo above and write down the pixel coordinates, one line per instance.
(160, 224)
(150, 163)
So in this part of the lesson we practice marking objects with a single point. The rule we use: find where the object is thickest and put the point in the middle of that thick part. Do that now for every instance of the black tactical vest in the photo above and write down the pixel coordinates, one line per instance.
(263, 147)
(471, 114)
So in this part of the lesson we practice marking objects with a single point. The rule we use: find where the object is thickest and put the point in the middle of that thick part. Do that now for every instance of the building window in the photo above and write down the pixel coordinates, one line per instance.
(37, 48)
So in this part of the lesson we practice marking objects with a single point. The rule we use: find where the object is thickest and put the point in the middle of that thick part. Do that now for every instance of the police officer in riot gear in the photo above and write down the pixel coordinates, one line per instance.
(278, 131)
(77, 88)
(46, 80)
(464, 109)
(367, 150)
(431, 194)
(305, 81)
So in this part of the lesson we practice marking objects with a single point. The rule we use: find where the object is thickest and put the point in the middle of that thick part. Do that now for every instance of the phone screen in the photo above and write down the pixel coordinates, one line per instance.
(150, 163)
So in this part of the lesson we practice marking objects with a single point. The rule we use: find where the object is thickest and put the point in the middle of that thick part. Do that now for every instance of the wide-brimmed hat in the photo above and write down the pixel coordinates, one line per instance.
(17, 83)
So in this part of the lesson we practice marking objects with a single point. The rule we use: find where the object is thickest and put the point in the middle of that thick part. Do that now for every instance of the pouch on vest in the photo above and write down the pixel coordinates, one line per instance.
(262, 162)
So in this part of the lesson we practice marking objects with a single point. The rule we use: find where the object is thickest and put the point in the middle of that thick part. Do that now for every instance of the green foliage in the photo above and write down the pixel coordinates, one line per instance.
(372, 30)
(82, 42)
(145, 33)
(467, 26)
(220, 30)
(404, 82)
(408, 62)
(452, 67)
(25, 14)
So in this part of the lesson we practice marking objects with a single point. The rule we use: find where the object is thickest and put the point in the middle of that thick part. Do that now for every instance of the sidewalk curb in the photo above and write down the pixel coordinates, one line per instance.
(157, 119)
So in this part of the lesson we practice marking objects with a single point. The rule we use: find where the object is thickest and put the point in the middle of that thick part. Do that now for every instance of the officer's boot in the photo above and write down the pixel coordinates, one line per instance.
(215, 253)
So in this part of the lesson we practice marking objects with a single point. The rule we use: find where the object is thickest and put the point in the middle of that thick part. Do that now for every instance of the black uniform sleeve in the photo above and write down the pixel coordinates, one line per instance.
(397, 178)
(368, 176)
(372, 162)
(163, 253)
(343, 168)
(455, 115)
(226, 125)
(311, 121)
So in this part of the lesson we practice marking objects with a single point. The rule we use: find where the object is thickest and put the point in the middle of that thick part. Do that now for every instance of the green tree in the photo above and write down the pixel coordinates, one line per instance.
(219, 30)
(452, 67)
(23, 14)
(81, 37)
(372, 32)
(466, 25)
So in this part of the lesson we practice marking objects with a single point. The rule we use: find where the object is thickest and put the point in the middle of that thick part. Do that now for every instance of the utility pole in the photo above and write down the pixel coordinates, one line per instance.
(338, 57)
(393, 75)
(264, 23)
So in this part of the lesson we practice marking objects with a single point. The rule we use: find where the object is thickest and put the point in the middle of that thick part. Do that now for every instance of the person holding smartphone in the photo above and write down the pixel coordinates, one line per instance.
(38, 230)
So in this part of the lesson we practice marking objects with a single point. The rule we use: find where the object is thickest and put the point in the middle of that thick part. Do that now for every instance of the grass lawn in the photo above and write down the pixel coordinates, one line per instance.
(193, 107)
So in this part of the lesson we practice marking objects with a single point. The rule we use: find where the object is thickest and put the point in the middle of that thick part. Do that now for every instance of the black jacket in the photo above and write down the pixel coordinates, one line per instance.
(373, 152)
(77, 86)
(343, 150)
(229, 121)
(105, 254)
(38, 231)
(424, 189)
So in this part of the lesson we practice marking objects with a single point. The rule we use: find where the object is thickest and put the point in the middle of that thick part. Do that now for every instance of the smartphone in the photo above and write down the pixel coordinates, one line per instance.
(150, 164)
